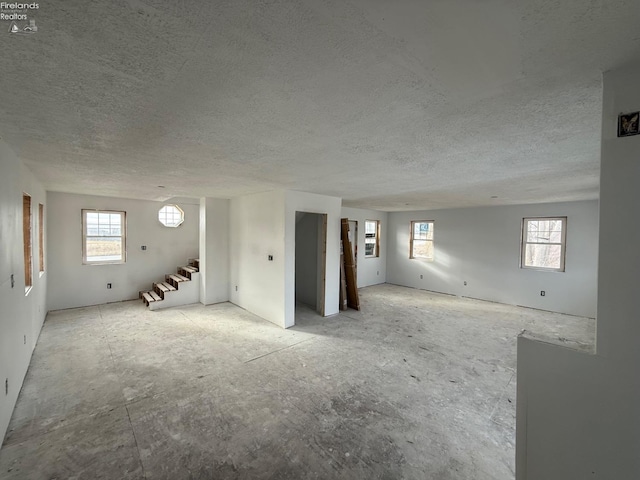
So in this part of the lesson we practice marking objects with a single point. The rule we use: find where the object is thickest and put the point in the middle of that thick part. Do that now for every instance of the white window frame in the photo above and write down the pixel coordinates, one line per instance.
(375, 237)
(524, 242)
(411, 240)
(160, 214)
(122, 236)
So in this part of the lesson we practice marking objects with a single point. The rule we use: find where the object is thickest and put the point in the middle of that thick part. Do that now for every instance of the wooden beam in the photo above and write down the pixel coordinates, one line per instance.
(350, 268)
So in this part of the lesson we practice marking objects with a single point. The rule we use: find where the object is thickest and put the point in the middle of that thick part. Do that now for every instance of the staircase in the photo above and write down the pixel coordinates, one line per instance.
(181, 288)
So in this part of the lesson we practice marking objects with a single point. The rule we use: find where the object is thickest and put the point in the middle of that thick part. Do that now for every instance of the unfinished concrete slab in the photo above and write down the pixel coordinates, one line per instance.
(416, 385)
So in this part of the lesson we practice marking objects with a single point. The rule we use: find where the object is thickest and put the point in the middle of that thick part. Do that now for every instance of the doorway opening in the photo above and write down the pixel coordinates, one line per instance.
(310, 260)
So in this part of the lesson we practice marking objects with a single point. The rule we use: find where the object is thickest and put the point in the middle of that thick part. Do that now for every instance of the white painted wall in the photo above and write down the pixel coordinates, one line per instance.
(306, 258)
(482, 247)
(257, 231)
(371, 270)
(214, 250)
(312, 203)
(21, 316)
(264, 224)
(74, 284)
(577, 414)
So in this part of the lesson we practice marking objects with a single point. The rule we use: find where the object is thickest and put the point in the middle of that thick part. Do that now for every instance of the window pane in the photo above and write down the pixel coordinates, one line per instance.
(370, 228)
(543, 256)
(100, 249)
(170, 216)
(423, 230)
(544, 231)
(422, 249)
(369, 247)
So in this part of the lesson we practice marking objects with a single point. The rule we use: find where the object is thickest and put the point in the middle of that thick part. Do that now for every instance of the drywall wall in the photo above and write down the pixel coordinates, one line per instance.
(307, 258)
(257, 231)
(370, 270)
(481, 246)
(263, 226)
(21, 315)
(312, 203)
(74, 284)
(577, 414)
(214, 250)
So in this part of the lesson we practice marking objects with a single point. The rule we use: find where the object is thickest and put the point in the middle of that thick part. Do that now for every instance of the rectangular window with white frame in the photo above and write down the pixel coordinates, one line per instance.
(371, 238)
(103, 237)
(421, 244)
(543, 243)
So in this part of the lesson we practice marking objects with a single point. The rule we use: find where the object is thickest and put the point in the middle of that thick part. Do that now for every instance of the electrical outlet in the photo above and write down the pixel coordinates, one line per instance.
(25, 339)
(108, 285)
(465, 283)
(236, 288)
(542, 293)
(270, 257)
(13, 282)
(378, 272)
(420, 277)
(143, 247)
(6, 386)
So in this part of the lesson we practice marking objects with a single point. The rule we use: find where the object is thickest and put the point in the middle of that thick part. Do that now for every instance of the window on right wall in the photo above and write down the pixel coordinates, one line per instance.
(543, 243)
(421, 240)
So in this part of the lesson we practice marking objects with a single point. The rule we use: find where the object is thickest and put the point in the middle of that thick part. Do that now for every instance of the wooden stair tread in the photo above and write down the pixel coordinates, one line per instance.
(187, 272)
(170, 287)
(161, 286)
(147, 298)
(155, 296)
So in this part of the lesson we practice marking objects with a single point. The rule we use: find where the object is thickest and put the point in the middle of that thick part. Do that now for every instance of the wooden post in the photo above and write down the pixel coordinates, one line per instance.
(350, 268)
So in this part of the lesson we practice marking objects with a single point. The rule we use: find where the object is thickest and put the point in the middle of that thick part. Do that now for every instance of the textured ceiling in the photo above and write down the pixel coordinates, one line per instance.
(392, 105)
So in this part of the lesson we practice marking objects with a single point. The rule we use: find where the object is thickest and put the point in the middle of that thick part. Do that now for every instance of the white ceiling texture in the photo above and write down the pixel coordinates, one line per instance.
(391, 105)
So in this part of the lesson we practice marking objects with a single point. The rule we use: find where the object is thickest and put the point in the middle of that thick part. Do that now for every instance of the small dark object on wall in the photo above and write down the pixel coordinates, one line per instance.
(628, 124)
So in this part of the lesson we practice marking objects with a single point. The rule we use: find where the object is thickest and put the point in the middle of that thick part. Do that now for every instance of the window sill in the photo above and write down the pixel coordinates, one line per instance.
(542, 269)
(102, 263)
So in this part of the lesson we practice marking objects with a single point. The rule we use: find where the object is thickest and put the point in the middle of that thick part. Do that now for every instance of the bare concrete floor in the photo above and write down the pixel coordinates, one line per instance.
(415, 386)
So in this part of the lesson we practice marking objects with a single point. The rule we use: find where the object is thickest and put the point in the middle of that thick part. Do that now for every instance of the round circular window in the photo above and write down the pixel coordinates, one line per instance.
(171, 216)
